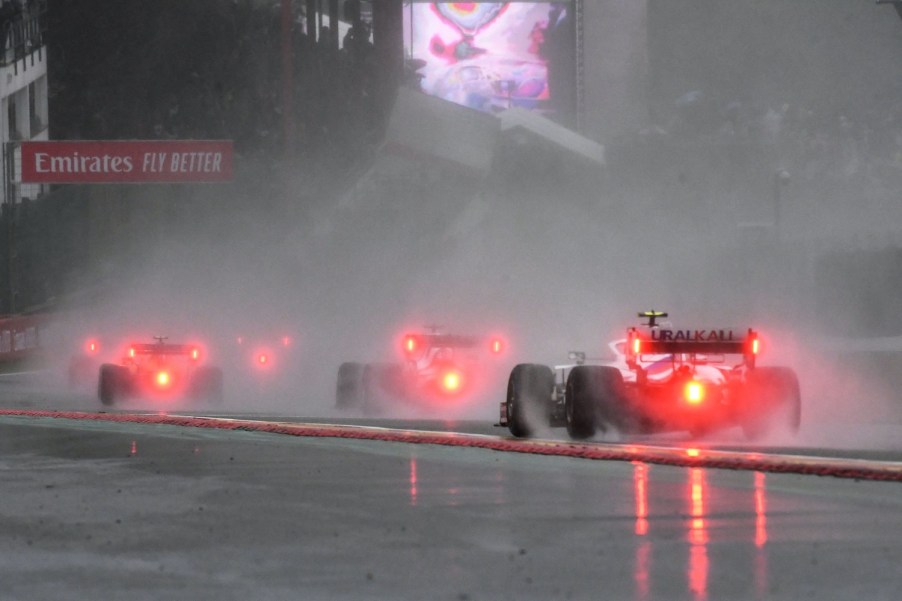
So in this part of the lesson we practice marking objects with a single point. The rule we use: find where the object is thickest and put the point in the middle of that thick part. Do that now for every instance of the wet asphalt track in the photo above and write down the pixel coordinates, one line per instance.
(124, 511)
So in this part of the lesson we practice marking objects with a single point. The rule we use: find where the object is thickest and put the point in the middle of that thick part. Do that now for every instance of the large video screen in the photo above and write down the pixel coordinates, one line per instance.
(491, 56)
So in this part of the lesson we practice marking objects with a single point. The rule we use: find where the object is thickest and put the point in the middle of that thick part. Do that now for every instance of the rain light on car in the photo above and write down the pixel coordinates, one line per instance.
(410, 344)
(694, 392)
(451, 381)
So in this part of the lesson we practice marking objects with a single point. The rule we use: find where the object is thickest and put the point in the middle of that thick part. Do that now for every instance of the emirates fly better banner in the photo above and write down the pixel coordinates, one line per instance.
(126, 161)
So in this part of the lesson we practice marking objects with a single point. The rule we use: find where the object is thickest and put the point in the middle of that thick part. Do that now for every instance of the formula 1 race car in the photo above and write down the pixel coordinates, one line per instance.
(160, 371)
(263, 354)
(437, 369)
(662, 379)
(263, 363)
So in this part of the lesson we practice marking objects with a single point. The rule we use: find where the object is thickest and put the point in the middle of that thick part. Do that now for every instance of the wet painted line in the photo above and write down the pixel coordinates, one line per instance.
(13, 374)
(736, 460)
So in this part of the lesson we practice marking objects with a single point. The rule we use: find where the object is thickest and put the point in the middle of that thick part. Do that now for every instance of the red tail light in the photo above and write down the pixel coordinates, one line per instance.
(496, 346)
(286, 341)
(411, 345)
(752, 348)
(163, 379)
(451, 381)
(752, 343)
(633, 348)
(92, 346)
(694, 392)
(263, 358)
(131, 352)
(195, 354)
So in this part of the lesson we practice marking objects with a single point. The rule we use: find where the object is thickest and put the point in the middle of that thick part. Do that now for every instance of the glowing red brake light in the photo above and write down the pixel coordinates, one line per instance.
(286, 341)
(262, 359)
(755, 346)
(694, 392)
(131, 352)
(497, 346)
(637, 345)
(410, 344)
(195, 354)
(92, 346)
(451, 381)
(163, 379)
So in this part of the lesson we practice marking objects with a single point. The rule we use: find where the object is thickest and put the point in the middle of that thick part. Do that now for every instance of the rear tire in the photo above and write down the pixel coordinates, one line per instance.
(593, 392)
(111, 384)
(773, 397)
(529, 391)
(349, 391)
(580, 404)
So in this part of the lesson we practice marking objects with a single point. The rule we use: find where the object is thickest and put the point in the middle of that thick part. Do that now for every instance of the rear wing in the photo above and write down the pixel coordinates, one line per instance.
(415, 344)
(670, 341)
(188, 350)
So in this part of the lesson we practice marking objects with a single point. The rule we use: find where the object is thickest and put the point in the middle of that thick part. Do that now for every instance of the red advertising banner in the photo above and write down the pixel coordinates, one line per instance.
(126, 161)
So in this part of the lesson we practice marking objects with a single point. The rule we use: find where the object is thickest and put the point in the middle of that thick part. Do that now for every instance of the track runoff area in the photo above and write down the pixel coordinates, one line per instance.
(682, 457)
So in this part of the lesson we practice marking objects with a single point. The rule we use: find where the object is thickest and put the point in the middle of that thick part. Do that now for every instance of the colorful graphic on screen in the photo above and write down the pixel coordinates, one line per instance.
(491, 56)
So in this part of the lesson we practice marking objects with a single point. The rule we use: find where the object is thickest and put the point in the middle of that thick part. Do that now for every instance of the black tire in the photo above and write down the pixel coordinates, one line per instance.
(111, 385)
(349, 392)
(593, 396)
(529, 389)
(581, 403)
(206, 385)
(772, 398)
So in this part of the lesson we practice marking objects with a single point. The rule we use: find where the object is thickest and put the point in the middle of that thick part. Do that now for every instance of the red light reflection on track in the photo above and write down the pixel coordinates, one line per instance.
(640, 486)
(760, 509)
(761, 576)
(643, 550)
(643, 569)
(413, 481)
(134, 449)
(698, 535)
